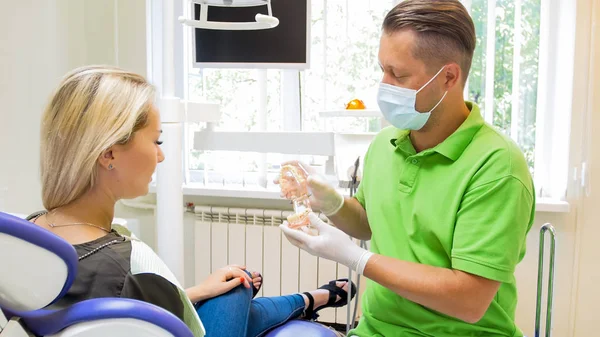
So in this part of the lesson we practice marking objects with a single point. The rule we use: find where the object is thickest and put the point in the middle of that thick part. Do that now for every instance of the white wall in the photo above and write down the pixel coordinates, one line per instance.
(40, 42)
(586, 292)
(33, 57)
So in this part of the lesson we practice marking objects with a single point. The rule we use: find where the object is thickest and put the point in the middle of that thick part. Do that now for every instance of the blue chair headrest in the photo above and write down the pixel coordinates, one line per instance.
(42, 265)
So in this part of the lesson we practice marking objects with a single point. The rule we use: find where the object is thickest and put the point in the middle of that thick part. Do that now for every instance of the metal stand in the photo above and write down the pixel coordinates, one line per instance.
(550, 229)
(169, 175)
(350, 319)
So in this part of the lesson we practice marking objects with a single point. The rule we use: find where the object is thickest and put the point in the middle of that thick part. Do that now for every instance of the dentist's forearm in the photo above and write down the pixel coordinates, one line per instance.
(452, 292)
(352, 219)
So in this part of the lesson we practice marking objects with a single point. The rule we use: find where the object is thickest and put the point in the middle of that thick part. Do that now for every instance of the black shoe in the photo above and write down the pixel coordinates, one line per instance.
(334, 291)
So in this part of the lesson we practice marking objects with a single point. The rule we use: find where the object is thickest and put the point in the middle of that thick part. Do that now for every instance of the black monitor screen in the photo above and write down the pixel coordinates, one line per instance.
(286, 44)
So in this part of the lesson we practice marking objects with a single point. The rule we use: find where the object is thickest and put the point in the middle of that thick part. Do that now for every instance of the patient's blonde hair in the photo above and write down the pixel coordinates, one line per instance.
(94, 108)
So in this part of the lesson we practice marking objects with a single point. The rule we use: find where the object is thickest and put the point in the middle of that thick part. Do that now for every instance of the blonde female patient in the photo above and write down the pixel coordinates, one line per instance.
(100, 143)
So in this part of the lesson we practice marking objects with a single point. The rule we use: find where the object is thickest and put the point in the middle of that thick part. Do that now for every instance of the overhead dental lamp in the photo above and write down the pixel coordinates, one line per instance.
(262, 21)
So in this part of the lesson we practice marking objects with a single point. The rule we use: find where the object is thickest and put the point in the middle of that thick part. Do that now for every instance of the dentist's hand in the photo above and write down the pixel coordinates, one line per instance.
(323, 196)
(331, 244)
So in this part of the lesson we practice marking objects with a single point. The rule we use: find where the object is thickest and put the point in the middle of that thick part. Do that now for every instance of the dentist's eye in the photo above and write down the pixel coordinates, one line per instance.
(158, 142)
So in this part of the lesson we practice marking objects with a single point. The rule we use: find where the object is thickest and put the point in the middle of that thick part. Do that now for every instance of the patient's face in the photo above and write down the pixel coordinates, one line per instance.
(136, 161)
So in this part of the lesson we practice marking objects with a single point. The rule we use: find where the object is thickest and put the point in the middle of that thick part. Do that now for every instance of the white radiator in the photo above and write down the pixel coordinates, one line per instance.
(251, 237)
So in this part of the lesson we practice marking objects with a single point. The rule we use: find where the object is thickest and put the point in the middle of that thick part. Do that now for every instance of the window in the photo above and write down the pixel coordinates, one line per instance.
(238, 92)
(515, 53)
(344, 33)
(504, 74)
(344, 65)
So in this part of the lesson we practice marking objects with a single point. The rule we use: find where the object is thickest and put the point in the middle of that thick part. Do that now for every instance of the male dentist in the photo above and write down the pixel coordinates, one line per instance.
(445, 199)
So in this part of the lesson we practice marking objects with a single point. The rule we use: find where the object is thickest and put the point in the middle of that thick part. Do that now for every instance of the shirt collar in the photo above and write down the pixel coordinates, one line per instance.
(455, 144)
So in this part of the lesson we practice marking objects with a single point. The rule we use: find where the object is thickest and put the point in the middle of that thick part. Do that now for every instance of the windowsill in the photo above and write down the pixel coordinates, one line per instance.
(543, 205)
(547, 205)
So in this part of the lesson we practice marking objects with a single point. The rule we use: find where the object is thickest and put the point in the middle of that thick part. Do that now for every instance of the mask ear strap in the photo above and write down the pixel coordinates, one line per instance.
(431, 80)
(440, 102)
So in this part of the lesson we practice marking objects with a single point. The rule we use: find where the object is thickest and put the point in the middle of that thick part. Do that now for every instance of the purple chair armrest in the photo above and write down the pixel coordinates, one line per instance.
(47, 322)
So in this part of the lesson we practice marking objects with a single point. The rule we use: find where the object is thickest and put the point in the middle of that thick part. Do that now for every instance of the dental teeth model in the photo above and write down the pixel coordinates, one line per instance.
(292, 181)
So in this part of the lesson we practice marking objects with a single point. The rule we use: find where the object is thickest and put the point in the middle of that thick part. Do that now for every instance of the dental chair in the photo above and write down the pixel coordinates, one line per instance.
(38, 268)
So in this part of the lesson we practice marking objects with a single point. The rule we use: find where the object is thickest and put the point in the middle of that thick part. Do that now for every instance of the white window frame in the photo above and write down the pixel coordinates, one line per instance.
(554, 98)
(555, 85)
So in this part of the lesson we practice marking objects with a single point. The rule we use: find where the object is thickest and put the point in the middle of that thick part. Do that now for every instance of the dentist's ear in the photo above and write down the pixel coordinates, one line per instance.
(452, 75)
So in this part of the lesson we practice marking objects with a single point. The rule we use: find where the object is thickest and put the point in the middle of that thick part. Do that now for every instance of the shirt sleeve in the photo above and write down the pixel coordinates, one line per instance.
(154, 289)
(491, 229)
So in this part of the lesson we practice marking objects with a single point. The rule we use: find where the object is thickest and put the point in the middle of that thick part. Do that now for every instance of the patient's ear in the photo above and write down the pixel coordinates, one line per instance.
(106, 159)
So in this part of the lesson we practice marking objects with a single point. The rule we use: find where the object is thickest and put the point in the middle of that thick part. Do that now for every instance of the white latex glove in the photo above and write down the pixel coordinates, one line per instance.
(324, 197)
(331, 244)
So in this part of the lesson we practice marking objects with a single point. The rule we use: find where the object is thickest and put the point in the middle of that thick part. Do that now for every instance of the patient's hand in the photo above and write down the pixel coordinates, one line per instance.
(219, 282)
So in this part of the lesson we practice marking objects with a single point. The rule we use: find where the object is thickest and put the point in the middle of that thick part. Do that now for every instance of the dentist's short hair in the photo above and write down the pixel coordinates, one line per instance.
(445, 31)
(94, 108)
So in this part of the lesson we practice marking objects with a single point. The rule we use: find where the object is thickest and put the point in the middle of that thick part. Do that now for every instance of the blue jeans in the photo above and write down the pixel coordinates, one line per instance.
(236, 314)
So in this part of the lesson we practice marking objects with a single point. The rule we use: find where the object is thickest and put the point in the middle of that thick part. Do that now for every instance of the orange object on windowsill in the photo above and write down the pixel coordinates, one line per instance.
(355, 104)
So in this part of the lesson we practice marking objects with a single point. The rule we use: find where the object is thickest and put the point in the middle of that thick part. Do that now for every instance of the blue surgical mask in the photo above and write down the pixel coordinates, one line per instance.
(398, 105)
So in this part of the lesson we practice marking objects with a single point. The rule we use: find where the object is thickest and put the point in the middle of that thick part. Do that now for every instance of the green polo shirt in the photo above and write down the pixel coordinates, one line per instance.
(466, 204)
